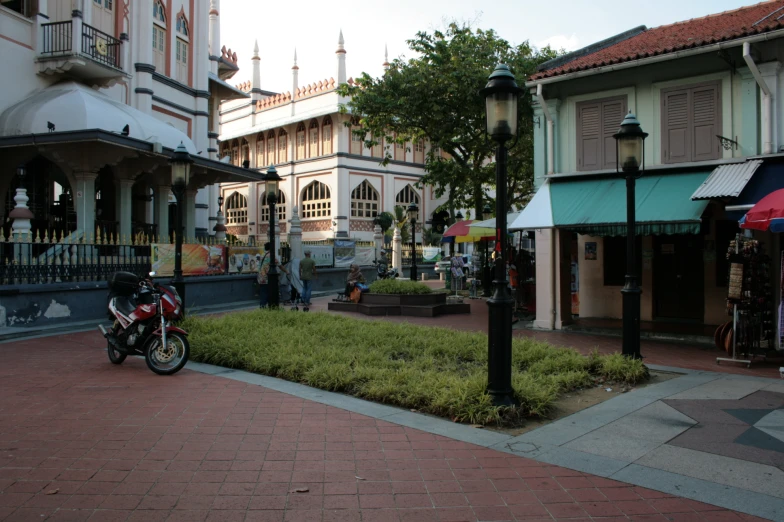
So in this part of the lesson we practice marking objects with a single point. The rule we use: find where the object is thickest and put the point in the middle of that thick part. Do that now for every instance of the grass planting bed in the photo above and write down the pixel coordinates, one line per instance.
(432, 370)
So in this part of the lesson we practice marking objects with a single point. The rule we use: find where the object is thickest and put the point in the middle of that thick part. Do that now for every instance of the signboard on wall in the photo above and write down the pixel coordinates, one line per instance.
(321, 254)
(244, 259)
(431, 254)
(344, 253)
(196, 259)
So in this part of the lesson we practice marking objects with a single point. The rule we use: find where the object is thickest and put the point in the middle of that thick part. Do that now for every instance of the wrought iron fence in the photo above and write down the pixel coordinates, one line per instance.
(36, 260)
(57, 38)
(100, 46)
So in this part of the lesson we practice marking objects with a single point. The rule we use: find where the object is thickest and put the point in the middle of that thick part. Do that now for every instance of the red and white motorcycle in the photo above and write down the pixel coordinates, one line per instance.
(142, 311)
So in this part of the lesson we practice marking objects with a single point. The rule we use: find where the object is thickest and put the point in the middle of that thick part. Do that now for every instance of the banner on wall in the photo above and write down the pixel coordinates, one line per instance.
(364, 256)
(245, 259)
(431, 254)
(321, 254)
(196, 259)
(344, 253)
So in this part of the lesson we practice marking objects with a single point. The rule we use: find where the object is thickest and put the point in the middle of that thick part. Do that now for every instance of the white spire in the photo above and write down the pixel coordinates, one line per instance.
(294, 78)
(386, 58)
(295, 59)
(256, 49)
(255, 93)
(341, 53)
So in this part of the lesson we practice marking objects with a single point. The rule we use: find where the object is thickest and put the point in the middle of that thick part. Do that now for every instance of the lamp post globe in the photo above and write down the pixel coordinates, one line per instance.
(21, 171)
(487, 213)
(501, 95)
(630, 158)
(271, 187)
(413, 212)
(180, 162)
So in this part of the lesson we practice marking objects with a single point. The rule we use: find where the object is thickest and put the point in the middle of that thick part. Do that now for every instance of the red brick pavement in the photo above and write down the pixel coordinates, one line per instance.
(665, 354)
(81, 439)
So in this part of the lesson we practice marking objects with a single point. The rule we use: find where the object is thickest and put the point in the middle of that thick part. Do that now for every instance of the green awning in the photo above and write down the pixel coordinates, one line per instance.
(597, 207)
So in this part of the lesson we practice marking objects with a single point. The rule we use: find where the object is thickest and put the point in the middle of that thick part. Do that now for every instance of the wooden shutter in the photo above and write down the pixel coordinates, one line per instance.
(705, 118)
(589, 137)
(613, 112)
(676, 146)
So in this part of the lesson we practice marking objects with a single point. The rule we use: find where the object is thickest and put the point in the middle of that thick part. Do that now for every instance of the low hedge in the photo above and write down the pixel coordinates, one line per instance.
(395, 286)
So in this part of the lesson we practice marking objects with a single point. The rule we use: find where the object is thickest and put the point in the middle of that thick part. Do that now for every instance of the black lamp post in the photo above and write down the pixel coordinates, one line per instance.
(272, 183)
(487, 213)
(412, 211)
(630, 157)
(500, 95)
(180, 173)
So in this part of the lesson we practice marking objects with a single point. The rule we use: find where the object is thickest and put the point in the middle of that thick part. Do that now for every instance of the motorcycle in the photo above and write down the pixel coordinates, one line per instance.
(143, 311)
(383, 271)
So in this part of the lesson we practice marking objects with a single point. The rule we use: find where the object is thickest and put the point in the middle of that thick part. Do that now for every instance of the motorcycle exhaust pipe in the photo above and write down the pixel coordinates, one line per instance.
(103, 330)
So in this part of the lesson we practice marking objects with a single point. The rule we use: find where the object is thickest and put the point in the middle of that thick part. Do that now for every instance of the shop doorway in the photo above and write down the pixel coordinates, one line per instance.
(678, 278)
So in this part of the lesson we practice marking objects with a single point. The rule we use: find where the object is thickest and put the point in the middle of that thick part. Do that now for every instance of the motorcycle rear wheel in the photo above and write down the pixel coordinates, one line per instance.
(168, 360)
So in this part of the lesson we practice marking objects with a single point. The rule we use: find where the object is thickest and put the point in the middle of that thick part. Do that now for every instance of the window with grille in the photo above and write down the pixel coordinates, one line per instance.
(364, 201)
(400, 151)
(280, 208)
(313, 139)
(407, 196)
(245, 156)
(419, 152)
(356, 142)
(235, 153)
(182, 49)
(271, 148)
(378, 149)
(283, 155)
(260, 152)
(316, 201)
(237, 209)
(159, 36)
(300, 137)
(326, 136)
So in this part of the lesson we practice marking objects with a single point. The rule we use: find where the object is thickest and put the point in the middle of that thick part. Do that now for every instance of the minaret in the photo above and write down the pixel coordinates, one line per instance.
(386, 58)
(214, 38)
(255, 91)
(341, 52)
(294, 76)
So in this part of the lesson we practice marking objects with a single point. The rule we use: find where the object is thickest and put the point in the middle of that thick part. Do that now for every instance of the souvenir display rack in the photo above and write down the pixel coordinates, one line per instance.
(749, 301)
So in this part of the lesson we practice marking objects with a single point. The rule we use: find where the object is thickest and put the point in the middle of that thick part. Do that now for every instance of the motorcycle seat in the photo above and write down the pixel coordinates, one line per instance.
(125, 305)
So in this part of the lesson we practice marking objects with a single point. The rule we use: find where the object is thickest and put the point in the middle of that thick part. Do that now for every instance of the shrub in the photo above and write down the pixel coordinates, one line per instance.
(393, 286)
(433, 370)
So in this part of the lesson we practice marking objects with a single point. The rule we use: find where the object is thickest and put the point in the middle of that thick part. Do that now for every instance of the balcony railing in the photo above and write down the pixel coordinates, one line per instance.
(57, 40)
(100, 46)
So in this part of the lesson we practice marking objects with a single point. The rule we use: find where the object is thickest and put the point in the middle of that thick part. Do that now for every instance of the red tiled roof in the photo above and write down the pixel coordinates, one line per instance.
(688, 34)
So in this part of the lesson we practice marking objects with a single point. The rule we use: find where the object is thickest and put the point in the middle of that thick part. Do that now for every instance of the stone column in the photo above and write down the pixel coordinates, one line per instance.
(84, 202)
(295, 233)
(378, 239)
(189, 217)
(21, 215)
(161, 212)
(124, 192)
(220, 228)
(397, 251)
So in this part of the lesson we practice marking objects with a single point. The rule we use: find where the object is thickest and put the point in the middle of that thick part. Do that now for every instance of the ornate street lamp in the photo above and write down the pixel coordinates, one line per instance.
(272, 181)
(180, 173)
(220, 226)
(487, 213)
(630, 158)
(413, 211)
(500, 93)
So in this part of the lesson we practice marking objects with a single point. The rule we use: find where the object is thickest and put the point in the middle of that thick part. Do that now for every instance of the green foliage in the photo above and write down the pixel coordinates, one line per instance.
(393, 286)
(434, 96)
(616, 367)
(434, 370)
(401, 222)
(385, 220)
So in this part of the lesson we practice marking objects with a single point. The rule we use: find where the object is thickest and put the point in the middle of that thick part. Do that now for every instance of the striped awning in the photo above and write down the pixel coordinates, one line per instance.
(727, 181)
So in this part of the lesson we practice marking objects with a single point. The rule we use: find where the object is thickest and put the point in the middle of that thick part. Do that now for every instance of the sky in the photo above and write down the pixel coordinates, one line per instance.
(313, 26)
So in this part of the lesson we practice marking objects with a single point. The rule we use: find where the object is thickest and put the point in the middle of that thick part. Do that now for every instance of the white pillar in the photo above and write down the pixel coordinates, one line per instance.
(220, 228)
(214, 38)
(294, 77)
(189, 218)
(295, 234)
(21, 214)
(397, 251)
(124, 192)
(161, 211)
(378, 239)
(84, 202)
(341, 54)
(255, 93)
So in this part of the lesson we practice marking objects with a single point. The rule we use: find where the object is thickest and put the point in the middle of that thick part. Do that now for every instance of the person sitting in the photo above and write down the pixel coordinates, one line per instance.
(353, 279)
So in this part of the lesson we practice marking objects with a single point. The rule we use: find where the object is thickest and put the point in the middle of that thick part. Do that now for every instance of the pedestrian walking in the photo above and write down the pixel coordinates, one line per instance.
(263, 278)
(307, 272)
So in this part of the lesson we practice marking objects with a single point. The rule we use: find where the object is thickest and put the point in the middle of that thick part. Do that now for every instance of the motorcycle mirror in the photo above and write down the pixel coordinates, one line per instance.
(153, 274)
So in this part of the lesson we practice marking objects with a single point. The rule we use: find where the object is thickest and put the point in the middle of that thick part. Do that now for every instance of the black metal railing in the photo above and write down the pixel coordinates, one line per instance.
(100, 46)
(45, 263)
(57, 38)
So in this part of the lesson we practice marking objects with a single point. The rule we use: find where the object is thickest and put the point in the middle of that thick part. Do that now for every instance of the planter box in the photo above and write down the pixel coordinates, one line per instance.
(424, 305)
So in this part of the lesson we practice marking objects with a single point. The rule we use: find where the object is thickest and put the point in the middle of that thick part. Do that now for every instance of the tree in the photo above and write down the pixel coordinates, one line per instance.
(435, 97)
(385, 220)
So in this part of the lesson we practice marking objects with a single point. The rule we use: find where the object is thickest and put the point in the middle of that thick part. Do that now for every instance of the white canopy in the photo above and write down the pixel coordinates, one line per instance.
(72, 106)
(490, 223)
(538, 213)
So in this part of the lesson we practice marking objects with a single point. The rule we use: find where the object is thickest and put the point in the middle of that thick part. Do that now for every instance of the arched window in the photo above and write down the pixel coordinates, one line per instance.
(183, 41)
(159, 36)
(364, 201)
(316, 201)
(261, 154)
(235, 152)
(378, 150)
(407, 196)
(400, 151)
(245, 155)
(270, 148)
(225, 151)
(356, 141)
(237, 209)
(419, 152)
(283, 154)
(313, 139)
(300, 137)
(280, 208)
(326, 136)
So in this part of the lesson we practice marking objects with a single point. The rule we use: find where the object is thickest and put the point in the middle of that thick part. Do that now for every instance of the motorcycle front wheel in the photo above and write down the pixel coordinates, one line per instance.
(114, 355)
(169, 359)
